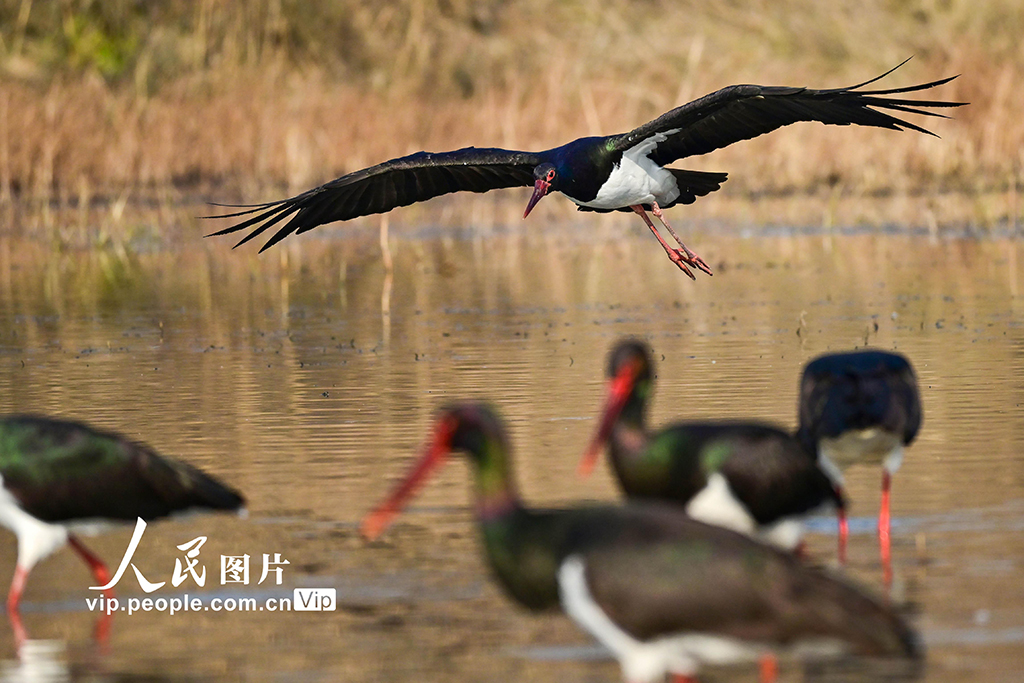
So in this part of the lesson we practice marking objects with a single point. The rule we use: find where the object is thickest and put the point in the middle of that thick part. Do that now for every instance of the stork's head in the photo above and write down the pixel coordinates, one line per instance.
(544, 176)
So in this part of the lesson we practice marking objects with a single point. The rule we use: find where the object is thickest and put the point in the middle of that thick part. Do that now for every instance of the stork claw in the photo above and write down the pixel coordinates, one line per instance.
(696, 261)
(682, 257)
(691, 258)
(678, 257)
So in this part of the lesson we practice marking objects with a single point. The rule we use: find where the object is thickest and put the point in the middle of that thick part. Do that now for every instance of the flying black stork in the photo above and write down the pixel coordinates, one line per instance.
(665, 593)
(747, 476)
(624, 172)
(862, 406)
(59, 477)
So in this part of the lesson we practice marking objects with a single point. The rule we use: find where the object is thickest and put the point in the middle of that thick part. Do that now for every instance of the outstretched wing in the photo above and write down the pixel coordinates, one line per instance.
(656, 574)
(60, 471)
(383, 187)
(772, 474)
(742, 112)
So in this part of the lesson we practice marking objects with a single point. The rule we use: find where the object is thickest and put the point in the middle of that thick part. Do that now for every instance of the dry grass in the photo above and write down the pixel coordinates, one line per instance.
(254, 98)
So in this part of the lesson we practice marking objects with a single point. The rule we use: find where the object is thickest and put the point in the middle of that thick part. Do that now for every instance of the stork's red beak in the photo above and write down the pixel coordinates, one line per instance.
(380, 518)
(619, 388)
(540, 188)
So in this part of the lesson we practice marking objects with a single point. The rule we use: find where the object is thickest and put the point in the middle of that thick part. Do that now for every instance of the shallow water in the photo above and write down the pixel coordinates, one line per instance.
(307, 378)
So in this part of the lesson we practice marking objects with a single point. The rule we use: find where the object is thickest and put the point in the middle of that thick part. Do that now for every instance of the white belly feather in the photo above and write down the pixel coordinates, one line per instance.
(870, 446)
(675, 653)
(717, 504)
(36, 539)
(637, 180)
(644, 662)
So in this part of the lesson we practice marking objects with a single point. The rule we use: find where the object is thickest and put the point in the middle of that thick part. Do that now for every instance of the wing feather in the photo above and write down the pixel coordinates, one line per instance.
(380, 188)
(659, 577)
(60, 471)
(742, 112)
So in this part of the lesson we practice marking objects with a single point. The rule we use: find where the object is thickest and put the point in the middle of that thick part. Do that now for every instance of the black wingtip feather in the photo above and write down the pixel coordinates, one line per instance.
(398, 182)
(910, 88)
(277, 237)
(253, 220)
(873, 80)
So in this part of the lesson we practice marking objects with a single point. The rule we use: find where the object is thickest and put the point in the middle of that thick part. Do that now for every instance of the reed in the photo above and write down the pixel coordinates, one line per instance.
(241, 100)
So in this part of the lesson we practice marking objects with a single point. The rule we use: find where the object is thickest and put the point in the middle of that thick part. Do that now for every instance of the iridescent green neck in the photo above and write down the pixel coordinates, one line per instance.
(629, 436)
(496, 494)
(634, 413)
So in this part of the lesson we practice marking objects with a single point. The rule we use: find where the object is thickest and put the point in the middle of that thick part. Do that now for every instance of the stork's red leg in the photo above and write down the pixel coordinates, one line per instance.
(20, 634)
(99, 569)
(13, 601)
(844, 534)
(677, 256)
(692, 258)
(884, 529)
(682, 678)
(101, 632)
(769, 668)
(17, 588)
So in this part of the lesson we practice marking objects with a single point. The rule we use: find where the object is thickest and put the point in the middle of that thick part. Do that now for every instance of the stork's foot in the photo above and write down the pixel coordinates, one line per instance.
(682, 678)
(101, 632)
(768, 668)
(679, 257)
(682, 257)
(18, 629)
(693, 260)
(844, 536)
(689, 257)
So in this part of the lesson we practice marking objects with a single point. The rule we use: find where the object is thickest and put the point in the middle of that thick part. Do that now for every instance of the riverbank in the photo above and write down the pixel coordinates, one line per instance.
(122, 103)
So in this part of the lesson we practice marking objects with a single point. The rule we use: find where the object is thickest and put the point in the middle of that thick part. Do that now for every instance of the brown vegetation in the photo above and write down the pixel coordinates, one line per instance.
(120, 98)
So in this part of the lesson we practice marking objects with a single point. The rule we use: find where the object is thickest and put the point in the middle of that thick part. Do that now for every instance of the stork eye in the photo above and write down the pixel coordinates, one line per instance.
(551, 175)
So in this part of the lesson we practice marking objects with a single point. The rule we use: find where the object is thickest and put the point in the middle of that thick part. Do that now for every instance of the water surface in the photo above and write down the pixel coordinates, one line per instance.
(307, 378)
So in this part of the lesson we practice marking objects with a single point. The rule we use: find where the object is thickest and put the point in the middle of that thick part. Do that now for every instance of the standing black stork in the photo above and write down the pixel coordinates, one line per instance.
(747, 476)
(665, 593)
(58, 477)
(862, 406)
(625, 172)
